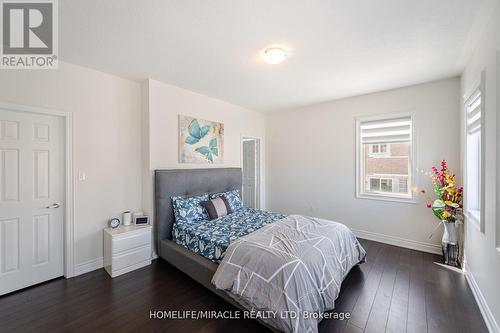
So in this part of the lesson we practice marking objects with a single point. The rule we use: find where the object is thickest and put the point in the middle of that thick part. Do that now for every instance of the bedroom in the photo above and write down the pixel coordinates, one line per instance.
(328, 115)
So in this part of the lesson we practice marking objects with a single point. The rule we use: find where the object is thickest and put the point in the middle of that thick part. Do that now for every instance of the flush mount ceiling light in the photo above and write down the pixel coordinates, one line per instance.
(273, 55)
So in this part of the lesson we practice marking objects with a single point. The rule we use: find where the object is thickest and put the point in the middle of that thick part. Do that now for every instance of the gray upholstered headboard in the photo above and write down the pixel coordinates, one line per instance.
(186, 182)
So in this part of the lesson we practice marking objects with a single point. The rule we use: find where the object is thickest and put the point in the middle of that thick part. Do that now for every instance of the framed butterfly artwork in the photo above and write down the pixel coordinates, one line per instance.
(200, 141)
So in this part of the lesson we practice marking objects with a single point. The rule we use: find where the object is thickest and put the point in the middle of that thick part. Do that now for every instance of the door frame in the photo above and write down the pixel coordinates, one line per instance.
(259, 163)
(68, 223)
(497, 236)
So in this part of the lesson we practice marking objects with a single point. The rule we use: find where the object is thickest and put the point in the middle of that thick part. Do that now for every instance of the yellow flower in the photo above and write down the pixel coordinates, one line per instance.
(446, 214)
(450, 180)
(448, 202)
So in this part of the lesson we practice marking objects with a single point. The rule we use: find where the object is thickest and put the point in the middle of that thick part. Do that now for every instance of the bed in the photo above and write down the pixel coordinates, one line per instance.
(187, 182)
(271, 261)
(211, 238)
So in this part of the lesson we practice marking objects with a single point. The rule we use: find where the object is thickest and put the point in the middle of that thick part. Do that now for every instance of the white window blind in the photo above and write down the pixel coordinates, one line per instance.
(383, 156)
(473, 110)
(386, 131)
(474, 155)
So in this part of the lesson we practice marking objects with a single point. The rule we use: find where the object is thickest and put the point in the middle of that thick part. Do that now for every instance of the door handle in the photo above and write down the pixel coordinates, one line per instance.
(54, 205)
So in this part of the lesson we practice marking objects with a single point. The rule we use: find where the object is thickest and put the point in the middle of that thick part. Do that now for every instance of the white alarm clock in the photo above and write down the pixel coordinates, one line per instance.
(114, 223)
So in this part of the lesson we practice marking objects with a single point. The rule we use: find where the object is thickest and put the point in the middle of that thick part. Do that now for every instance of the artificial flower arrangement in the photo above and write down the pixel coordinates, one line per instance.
(448, 209)
(448, 205)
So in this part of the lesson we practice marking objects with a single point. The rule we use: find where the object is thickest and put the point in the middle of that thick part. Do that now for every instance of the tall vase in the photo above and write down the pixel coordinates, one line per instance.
(450, 244)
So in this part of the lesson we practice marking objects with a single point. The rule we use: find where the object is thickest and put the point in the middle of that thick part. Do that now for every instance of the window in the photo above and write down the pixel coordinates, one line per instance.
(380, 185)
(384, 158)
(395, 184)
(382, 149)
(403, 185)
(386, 185)
(374, 184)
(474, 121)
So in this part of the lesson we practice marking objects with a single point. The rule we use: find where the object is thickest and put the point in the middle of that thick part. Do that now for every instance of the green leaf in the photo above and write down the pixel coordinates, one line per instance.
(438, 203)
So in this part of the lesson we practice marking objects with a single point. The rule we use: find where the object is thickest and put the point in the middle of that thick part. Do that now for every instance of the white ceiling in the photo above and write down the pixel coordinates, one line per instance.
(337, 48)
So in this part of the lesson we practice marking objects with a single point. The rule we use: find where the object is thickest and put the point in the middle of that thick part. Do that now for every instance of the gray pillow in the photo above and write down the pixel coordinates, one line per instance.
(217, 207)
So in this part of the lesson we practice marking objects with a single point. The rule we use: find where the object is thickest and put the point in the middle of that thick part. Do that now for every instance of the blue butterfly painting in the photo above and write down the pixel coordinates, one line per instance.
(200, 141)
(210, 151)
(196, 133)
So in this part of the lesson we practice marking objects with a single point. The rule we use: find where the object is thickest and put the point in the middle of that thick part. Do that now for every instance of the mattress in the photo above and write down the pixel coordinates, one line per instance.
(210, 239)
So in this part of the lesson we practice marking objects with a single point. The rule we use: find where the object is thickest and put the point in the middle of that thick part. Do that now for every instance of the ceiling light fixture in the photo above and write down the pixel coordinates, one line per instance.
(273, 55)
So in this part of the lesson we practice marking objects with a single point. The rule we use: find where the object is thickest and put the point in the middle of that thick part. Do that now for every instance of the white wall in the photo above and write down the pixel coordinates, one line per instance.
(164, 103)
(483, 259)
(106, 142)
(311, 159)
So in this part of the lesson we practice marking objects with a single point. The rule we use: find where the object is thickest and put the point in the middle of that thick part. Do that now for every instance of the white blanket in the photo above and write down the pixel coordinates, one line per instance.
(291, 270)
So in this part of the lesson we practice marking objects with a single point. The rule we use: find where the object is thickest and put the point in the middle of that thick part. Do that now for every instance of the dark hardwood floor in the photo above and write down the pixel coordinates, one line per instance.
(396, 290)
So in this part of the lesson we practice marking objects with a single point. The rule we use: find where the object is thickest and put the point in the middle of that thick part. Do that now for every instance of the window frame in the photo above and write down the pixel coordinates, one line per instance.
(473, 216)
(380, 180)
(386, 153)
(385, 196)
(405, 182)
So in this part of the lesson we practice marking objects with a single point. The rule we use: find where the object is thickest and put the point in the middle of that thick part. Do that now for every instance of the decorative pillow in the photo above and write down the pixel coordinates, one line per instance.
(188, 209)
(217, 207)
(233, 197)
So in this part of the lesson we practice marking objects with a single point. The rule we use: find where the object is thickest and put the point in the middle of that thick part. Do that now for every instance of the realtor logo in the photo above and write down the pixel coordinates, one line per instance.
(29, 34)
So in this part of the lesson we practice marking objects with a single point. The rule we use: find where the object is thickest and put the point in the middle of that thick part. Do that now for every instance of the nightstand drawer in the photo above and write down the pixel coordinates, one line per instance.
(131, 258)
(126, 248)
(131, 241)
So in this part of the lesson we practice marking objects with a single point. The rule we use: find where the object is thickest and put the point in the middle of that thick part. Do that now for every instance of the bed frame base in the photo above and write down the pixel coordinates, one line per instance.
(197, 268)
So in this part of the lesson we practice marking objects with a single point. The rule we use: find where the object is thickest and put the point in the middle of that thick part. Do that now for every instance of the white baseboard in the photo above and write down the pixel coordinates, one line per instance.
(88, 266)
(397, 241)
(489, 319)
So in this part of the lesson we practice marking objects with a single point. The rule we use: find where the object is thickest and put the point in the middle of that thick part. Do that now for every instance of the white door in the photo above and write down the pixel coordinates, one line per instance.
(31, 199)
(250, 162)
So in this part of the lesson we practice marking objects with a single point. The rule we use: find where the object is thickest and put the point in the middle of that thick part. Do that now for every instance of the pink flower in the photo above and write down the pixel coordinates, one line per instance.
(428, 205)
(444, 167)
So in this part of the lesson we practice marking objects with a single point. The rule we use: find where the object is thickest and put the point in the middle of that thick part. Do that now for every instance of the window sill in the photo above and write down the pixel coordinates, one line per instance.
(381, 155)
(386, 198)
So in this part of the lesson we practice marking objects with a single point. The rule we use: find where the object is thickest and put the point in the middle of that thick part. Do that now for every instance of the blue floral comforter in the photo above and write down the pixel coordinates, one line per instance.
(210, 239)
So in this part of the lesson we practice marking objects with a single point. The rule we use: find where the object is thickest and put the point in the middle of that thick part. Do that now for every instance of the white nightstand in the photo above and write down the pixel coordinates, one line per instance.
(126, 248)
